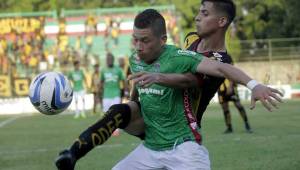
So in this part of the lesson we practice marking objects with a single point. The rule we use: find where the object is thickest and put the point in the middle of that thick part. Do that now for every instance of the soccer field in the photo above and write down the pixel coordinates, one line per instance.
(32, 142)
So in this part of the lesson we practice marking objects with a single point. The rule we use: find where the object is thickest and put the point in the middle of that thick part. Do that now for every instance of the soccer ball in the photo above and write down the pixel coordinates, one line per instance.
(50, 93)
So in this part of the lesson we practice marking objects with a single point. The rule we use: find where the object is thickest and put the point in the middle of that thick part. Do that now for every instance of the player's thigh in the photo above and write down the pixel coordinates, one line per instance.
(76, 95)
(82, 94)
(225, 105)
(106, 104)
(96, 97)
(237, 103)
(141, 158)
(116, 100)
(136, 125)
(188, 156)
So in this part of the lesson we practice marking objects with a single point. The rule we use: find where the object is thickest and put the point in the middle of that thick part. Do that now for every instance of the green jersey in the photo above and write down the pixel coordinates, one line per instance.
(111, 78)
(167, 112)
(77, 77)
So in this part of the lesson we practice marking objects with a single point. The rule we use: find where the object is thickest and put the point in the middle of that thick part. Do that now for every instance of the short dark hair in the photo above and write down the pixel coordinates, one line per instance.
(151, 18)
(226, 6)
(109, 54)
(76, 62)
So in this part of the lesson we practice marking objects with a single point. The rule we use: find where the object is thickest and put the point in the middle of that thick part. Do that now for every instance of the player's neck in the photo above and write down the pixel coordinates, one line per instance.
(156, 56)
(213, 43)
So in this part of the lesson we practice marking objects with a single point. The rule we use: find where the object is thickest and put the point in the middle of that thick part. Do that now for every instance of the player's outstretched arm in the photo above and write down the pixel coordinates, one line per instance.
(145, 79)
(266, 95)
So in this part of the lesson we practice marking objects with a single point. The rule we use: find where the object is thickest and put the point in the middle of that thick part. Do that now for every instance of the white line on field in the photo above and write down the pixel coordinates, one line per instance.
(8, 121)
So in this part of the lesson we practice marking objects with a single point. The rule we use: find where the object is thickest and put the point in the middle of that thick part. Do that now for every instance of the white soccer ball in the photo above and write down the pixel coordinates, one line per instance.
(50, 93)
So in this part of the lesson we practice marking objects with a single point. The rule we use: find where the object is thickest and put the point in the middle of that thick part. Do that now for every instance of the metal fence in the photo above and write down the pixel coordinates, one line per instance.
(267, 49)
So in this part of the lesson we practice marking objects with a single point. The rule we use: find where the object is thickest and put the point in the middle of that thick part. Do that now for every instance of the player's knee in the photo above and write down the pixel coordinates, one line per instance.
(124, 111)
(136, 128)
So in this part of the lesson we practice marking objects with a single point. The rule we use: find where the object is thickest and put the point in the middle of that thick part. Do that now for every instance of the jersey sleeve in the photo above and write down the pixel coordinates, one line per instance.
(186, 61)
(190, 39)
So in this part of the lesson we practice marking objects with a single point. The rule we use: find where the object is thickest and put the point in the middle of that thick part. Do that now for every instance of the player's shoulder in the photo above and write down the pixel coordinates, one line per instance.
(103, 70)
(183, 54)
(118, 68)
(174, 51)
(189, 39)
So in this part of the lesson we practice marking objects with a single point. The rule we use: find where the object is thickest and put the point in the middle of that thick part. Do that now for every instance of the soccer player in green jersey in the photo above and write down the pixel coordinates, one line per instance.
(111, 77)
(172, 138)
(78, 80)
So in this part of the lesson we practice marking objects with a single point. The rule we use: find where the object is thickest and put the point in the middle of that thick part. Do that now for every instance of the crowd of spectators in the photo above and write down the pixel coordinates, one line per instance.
(26, 53)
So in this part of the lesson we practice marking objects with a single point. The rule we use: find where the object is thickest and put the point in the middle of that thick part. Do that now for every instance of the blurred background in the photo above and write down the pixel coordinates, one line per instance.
(43, 35)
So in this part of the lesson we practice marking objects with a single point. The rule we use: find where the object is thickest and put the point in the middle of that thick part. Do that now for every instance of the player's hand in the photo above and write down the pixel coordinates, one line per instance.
(266, 95)
(144, 79)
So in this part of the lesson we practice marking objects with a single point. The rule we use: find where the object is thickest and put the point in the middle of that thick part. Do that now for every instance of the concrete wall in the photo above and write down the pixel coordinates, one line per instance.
(275, 72)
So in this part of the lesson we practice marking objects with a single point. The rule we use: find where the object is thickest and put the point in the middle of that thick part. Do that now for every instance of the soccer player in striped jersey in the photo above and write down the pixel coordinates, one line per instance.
(212, 22)
(226, 93)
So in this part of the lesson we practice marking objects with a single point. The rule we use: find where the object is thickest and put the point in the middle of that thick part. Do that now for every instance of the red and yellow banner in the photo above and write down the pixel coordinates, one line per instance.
(21, 24)
(14, 87)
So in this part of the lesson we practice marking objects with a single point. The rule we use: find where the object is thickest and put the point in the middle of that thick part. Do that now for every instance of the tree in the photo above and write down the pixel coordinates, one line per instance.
(256, 19)
(268, 19)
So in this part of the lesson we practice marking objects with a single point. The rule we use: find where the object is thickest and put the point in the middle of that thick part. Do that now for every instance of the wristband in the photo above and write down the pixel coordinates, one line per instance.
(251, 84)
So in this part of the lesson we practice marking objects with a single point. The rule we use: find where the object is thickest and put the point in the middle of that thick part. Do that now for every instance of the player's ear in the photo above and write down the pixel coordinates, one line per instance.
(163, 39)
(223, 21)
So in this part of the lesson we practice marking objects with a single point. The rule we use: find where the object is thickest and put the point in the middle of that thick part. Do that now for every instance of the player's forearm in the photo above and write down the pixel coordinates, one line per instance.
(187, 80)
(234, 74)
(215, 68)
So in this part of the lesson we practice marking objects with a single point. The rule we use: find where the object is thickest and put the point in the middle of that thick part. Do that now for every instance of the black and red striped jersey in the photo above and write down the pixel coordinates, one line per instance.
(208, 85)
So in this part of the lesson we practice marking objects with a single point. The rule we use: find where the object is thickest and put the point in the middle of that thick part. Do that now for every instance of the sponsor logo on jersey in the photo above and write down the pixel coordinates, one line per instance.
(139, 68)
(110, 77)
(150, 91)
(186, 52)
(217, 56)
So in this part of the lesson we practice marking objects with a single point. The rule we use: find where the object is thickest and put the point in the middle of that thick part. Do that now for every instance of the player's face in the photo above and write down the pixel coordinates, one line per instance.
(207, 20)
(77, 66)
(96, 68)
(147, 45)
(109, 61)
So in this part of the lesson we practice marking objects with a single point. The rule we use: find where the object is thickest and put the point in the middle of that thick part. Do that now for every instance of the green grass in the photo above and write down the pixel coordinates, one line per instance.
(32, 142)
